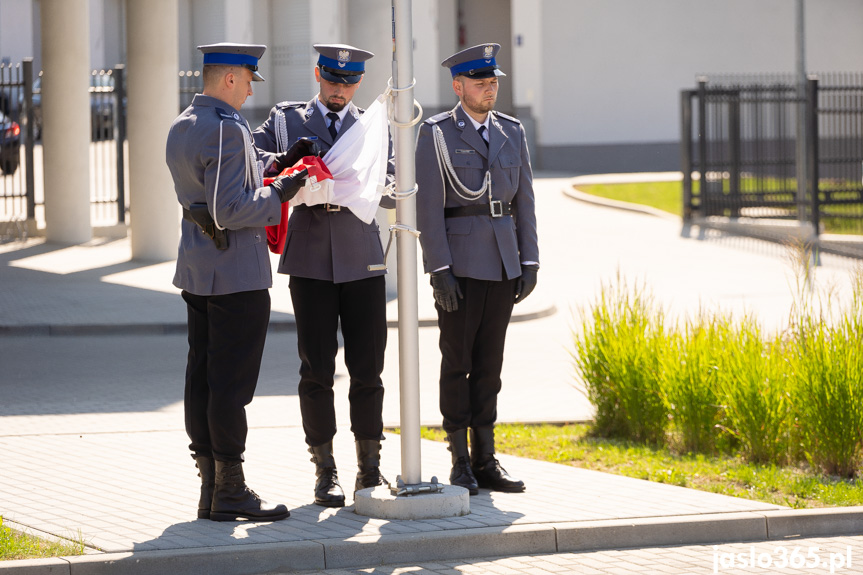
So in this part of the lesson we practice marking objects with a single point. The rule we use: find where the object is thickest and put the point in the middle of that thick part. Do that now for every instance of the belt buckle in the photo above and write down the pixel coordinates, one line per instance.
(496, 208)
(333, 208)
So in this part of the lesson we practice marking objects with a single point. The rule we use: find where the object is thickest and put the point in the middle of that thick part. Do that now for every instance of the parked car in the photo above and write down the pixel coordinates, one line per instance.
(101, 106)
(10, 144)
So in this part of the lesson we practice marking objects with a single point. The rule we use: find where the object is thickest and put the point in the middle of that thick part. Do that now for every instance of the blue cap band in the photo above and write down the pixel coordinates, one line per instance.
(225, 59)
(481, 64)
(336, 65)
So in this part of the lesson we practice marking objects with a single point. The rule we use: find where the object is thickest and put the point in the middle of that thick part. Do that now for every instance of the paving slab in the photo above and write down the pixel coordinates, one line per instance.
(91, 423)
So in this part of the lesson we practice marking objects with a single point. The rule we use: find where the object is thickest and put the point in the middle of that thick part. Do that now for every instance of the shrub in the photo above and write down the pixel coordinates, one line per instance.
(828, 383)
(689, 372)
(754, 390)
(618, 356)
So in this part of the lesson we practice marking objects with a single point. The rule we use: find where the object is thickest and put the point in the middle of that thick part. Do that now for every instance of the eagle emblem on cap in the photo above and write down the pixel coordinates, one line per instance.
(344, 56)
(488, 51)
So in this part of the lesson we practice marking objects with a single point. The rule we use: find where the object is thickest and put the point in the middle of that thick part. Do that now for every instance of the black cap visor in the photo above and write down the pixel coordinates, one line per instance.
(339, 76)
(256, 76)
(480, 73)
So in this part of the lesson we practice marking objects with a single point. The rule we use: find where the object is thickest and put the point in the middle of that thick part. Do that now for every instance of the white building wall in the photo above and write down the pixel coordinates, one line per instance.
(614, 68)
(834, 30)
(207, 26)
(428, 33)
(527, 56)
(16, 30)
(370, 28)
(97, 41)
(583, 73)
(290, 52)
(447, 33)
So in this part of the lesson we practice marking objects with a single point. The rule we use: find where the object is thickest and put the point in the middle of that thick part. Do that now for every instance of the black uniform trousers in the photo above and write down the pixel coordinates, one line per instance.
(319, 305)
(226, 343)
(472, 339)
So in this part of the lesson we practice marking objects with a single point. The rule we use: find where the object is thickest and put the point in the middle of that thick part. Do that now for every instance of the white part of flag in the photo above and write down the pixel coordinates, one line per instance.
(358, 163)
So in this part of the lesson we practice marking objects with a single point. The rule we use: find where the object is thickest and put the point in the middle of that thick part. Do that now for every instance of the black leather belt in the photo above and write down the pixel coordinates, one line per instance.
(327, 207)
(495, 209)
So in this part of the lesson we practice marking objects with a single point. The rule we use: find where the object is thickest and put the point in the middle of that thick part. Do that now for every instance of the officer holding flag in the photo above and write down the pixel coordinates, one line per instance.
(224, 271)
(335, 261)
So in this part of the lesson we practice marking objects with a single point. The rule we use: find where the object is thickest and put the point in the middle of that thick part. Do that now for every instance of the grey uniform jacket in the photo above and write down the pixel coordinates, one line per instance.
(212, 161)
(476, 246)
(331, 246)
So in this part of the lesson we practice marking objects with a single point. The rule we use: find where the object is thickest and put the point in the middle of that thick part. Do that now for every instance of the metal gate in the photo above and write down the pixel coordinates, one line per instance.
(742, 155)
(22, 197)
(17, 176)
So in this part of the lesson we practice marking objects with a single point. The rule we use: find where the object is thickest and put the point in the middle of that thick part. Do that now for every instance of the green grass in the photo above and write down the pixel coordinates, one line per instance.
(668, 197)
(18, 545)
(665, 196)
(796, 486)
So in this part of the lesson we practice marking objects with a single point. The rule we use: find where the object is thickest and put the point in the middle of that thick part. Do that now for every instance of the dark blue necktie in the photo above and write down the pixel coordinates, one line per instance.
(333, 119)
(482, 131)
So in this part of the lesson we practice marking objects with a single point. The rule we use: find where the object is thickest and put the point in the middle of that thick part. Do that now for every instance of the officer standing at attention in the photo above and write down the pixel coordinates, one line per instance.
(327, 252)
(475, 212)
(223, 268)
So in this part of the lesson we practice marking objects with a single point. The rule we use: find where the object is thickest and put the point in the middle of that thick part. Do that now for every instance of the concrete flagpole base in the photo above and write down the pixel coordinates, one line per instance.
(380, 503)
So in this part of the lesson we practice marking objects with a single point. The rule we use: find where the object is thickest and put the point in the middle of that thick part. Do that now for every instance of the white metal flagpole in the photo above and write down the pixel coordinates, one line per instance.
(403, 142)
(409, 497)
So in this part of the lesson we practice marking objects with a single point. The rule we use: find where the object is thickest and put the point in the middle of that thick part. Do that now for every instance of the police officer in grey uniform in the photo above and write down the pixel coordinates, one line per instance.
(224, 271)
(327, 252)
(475, 212)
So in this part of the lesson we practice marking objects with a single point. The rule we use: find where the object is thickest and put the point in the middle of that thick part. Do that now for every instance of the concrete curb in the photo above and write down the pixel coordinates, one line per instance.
(784, 524)
(180, 328)
(575, 194)
(369, 551)
(658, 531)
(531, 539)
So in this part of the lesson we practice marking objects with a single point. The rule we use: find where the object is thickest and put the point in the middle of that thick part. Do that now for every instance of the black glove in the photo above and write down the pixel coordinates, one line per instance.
(288, 186)
(525, 283)
(446, 289)
(299, 149)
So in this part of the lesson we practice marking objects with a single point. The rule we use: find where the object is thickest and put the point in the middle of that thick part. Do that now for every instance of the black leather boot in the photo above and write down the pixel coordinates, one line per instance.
(207, 472)
(461, 473)
(328, 491)
(233, 500)
(486, 467)
(369, 463)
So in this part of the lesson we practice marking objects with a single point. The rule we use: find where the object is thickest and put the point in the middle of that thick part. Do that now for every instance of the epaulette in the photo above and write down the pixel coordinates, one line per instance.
(289, 104)
(438, 118)
(506, 117)
(225, 115)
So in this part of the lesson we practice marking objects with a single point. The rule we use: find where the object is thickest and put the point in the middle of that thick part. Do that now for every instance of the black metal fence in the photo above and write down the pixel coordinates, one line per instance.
(17, 174)
(769, 149)
(22, 195)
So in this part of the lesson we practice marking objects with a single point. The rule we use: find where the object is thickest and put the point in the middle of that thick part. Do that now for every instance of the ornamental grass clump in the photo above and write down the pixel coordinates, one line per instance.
(618, 356)
(690, 369)
(753, 384)
(828, 382)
